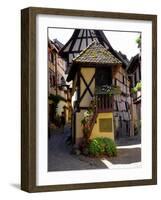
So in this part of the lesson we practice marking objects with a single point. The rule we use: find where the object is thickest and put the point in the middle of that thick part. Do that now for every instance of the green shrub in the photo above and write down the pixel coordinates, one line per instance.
(95, 147)
(110, 147)
(102, 146)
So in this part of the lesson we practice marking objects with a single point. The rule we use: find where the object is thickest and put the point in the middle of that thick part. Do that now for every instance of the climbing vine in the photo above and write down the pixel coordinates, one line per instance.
(87, 119)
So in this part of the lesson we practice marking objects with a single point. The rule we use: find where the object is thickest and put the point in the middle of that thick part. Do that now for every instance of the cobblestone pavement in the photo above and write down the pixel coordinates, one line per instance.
(126, 156)
(61, 159)
(133, 140)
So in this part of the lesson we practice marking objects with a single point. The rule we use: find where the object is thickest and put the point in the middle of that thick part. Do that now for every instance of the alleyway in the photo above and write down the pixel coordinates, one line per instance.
(61, 159)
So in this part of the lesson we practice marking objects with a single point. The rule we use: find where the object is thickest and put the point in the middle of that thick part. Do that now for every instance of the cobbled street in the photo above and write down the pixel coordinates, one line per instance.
(60, 157)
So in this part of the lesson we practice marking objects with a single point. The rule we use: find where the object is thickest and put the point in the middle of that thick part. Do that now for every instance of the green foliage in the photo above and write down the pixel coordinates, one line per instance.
(102, 146)
(110, 147)
(53, 110)
(56, 98)
(109, 90)
(138, 41)
(115, 90)
(83, 121)
(96, 147)
(136, 88)
(133, 90)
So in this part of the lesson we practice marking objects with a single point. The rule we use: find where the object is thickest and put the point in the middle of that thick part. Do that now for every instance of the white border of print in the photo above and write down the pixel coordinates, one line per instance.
(43, 177)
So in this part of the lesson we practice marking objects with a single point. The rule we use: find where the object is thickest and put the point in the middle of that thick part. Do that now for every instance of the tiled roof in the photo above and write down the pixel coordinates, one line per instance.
(132, 64)
(97, 54)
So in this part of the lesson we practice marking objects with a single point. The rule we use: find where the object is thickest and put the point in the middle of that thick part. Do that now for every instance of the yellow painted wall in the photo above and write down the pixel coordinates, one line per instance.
(87, 74)
(97, 133)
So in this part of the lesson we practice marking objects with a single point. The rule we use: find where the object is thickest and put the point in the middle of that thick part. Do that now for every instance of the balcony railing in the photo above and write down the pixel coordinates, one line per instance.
(104, 103)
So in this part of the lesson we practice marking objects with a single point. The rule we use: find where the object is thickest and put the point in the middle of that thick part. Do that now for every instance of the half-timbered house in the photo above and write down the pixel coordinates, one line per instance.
(134, 73)
(80, 39)
(93, 71)
(56, 82)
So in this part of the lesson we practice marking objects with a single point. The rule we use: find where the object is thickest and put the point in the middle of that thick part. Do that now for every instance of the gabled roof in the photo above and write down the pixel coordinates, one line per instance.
(122, 57)
(81, 38)
(58, 44)
(94, 55)
(55, 44)
(133, 63)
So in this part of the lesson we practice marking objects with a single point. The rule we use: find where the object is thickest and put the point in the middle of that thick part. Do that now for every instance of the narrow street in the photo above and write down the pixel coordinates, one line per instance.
(61, 159)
